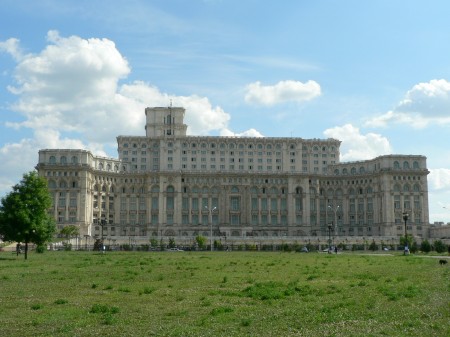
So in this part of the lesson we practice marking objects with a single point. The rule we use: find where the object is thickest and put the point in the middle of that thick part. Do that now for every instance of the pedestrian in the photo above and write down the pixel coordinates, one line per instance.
(335, 249)
(18, 248)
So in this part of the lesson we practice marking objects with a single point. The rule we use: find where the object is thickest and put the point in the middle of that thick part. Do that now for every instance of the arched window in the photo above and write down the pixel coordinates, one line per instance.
(406, 188)
(234, 189)
(52, 160)
(362, 170)
(396, 165)
(155, 189)
(405, 165)
(336, 172)
(74, 160)
(63, 160)
(416, 188)
(396, 188)
(170, 189)
(353, 170)
(274, 190)
(344, 171)
(205, 190)
(351, 191)
(51, 184)
(416, 165)
(254, 190)
(63, 184)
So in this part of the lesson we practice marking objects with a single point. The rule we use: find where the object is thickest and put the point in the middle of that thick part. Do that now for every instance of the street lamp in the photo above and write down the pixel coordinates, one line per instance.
(210, 217)
(329, 238)
(405, 218)
(334, 222)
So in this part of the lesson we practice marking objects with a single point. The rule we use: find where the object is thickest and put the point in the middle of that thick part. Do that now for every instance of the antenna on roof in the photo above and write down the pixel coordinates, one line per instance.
(170, 102)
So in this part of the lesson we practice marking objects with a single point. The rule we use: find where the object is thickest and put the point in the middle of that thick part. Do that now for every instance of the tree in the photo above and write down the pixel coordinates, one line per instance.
(425, 246)
(23, 212)
(70, 231)
(439, 246)
(153, 242)
(172, 243)
(201, 241)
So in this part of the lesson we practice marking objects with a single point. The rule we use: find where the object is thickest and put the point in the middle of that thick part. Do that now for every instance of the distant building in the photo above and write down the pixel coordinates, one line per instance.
(168, 184)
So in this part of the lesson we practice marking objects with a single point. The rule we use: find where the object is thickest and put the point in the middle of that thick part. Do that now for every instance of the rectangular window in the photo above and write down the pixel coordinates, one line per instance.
(155, 203)
(254, 204)
(185, 204)
(264, 204)
(195, 204)
(235, 204)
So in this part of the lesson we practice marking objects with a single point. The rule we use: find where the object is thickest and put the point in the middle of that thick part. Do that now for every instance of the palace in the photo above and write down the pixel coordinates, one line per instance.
(168, 184)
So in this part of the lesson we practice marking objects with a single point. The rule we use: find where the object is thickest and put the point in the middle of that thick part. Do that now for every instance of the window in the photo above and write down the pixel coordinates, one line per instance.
(235, 204)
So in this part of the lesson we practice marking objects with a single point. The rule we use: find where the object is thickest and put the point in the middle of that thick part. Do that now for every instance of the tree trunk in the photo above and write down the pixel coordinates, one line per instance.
(26, 250)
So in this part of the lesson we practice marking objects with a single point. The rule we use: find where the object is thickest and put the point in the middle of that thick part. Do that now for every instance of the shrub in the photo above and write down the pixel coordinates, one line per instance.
(41, 249)
(439, 246)
(425, 246)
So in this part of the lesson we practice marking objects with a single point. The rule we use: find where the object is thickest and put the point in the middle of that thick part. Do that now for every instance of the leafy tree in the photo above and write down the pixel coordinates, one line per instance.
(23, 212)
(172, 243)
(70, 231)
(439, 246)
(425, 246)
(373, 246)
(408, 242)
(153, 242)
(201, 241)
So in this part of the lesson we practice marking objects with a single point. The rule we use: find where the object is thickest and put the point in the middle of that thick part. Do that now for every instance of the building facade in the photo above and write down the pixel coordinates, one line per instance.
(168, 184)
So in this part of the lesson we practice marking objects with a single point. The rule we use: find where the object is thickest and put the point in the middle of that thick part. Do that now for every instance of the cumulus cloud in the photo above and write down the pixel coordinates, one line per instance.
(357, 146)
(439, 179)
(72, 85)
(283, 91)
(425, 104)
(12, 47)
(247, 133)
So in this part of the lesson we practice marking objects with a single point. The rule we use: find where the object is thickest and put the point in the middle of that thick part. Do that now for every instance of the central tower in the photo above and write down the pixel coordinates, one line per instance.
(165, 122)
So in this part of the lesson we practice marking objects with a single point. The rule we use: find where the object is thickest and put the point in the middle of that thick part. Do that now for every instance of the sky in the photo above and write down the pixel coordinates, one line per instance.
(373, 74)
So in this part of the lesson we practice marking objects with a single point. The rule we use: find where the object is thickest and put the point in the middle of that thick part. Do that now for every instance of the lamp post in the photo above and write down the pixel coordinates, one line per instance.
(329, 238)
(405, 219)
(334, 222)
(210, 219)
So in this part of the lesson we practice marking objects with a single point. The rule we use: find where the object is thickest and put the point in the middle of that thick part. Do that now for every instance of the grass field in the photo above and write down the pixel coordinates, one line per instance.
(222, 294)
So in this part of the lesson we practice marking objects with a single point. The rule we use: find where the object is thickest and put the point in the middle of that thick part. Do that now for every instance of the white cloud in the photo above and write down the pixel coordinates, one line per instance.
(12, 47)
(72, 85)
(439, 179)
(425, 104)
(247, 133)
(283, 91)
(356, 146)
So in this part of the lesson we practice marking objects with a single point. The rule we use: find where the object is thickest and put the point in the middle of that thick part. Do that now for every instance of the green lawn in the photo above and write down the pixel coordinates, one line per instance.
(222, 294)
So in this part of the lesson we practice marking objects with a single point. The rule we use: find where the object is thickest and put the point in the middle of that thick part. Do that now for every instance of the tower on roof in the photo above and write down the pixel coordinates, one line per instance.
(165, 122)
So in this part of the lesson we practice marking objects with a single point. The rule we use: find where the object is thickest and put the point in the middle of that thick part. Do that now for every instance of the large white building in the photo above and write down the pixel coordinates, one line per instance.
(168, 184)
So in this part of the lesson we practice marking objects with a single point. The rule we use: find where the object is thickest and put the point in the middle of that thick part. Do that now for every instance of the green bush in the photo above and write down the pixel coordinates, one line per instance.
(425, 246)
(41, 249)
(439, 246)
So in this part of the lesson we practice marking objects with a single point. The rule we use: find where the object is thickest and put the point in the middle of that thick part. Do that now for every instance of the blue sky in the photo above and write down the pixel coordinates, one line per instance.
(376, 75)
